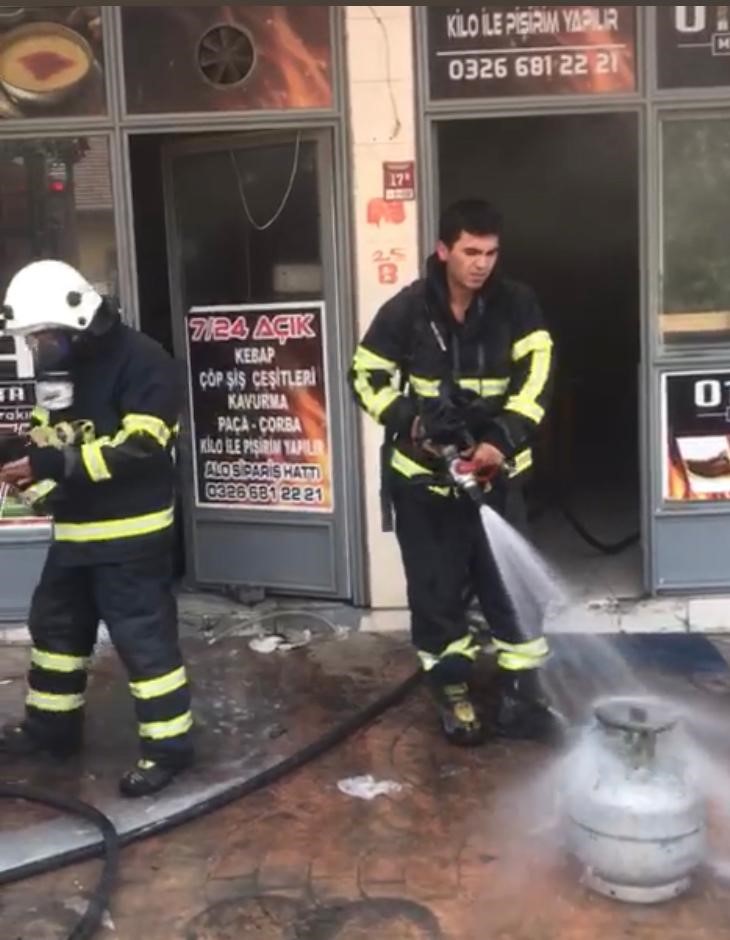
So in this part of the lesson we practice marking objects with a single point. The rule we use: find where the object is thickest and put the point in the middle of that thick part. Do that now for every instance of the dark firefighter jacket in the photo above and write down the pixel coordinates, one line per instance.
(104, 468)
(414, 348)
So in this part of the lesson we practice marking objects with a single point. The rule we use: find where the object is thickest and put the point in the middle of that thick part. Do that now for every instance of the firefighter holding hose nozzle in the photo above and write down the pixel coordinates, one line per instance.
(457, 367)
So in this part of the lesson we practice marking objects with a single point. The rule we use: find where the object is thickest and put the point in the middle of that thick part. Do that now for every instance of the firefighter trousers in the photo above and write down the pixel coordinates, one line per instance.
(135, 601)
(447, 560)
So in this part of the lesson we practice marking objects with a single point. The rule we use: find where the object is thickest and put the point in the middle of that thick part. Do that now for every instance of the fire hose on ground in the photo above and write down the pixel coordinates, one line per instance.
(111, 841)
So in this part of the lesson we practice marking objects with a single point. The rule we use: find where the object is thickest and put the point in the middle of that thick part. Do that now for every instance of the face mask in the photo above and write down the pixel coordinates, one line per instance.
(54, 391)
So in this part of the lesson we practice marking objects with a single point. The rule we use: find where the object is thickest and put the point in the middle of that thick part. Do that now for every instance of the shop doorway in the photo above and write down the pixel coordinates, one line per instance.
(235, 254)
(568, 186)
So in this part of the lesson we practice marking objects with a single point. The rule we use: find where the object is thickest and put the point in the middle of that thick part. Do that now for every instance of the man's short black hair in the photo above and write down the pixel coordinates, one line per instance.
(474, 216)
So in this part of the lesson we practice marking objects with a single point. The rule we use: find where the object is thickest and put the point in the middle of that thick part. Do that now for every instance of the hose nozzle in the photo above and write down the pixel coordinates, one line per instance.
(465, 481)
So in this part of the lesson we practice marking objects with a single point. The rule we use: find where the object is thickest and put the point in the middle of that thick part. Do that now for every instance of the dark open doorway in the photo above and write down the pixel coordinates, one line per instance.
(153, 284)
(568, 186)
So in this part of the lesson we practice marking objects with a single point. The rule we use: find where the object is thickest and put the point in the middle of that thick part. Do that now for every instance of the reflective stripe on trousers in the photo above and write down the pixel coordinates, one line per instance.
(162, 704)
(518, 657)
(467, 646)
(56, 682)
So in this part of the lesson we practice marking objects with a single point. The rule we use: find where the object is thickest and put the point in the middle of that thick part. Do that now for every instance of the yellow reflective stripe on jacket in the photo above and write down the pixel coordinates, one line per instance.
(156, 688)
(407, 467)
(525, 407)
(374, 401)
(485, 388)
(521, 463)
(524, 402)
(539, 341)
(114, 528)
(441, 490)
(46, 702)
(58, 662)
(516, 657)
(381, 400)
(365, 360)
(40, 416)
(38, 491)
(161, 730)
(94, 463)
(425, 388)
(148, 424)
(92, 454)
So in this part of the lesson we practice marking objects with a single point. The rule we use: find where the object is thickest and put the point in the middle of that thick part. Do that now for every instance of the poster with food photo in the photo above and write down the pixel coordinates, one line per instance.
(696, 431)
(51, 62)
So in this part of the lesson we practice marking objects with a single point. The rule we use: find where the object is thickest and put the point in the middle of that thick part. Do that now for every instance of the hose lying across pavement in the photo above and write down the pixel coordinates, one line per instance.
(111, 841)
(92, 918)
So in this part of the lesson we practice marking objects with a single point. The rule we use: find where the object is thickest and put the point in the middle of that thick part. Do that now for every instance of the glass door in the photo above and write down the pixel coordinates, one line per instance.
(251, 238)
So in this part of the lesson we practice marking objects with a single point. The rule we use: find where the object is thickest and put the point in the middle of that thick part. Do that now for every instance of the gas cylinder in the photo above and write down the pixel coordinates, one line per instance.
(635, 819)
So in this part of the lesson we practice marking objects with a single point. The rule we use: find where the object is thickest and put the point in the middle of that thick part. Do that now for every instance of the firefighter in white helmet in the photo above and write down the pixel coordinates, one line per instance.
(100, 463)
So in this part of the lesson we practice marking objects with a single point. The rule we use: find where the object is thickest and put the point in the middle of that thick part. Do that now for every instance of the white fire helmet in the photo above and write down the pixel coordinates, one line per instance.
(48, 295)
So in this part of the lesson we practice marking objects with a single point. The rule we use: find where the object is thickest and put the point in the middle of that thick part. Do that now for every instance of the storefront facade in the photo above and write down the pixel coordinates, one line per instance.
(254, 190)
(193, 162)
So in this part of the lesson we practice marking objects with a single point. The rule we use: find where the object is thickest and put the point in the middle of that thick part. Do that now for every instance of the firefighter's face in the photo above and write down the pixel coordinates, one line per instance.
(471, 260)
(51, 349)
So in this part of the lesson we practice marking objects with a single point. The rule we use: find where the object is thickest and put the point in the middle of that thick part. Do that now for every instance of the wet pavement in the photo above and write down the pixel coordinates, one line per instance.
(466, 845)
(253, 710)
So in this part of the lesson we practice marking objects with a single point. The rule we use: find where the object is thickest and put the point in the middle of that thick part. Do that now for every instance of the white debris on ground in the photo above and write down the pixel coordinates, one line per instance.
(368, 788)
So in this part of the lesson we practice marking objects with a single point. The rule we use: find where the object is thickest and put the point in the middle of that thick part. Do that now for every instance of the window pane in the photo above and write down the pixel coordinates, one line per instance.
(249, 223)
(51, 62)
(56, 202)
(696, 277)
(226, 58)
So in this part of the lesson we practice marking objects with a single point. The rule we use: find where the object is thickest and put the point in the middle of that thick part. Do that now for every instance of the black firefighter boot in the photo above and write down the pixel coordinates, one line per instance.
(18, 740)
(524, 713)
(150, 777)
(450, 687)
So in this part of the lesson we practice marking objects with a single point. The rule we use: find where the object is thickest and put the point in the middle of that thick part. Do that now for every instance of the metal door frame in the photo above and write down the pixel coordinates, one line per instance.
(340, 522)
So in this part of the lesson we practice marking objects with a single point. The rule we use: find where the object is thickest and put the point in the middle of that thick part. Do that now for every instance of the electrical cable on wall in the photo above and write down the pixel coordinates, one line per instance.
(397, 123)
(262, 227)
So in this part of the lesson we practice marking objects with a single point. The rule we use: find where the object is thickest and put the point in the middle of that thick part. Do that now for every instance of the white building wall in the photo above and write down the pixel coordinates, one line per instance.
(381, 80)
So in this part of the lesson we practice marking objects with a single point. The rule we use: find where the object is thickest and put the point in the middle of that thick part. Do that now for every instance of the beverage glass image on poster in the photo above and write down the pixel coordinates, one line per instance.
(260, 408)
(696, 432)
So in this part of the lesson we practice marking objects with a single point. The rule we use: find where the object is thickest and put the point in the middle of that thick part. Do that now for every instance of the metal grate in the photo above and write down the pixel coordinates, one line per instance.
(226, 56)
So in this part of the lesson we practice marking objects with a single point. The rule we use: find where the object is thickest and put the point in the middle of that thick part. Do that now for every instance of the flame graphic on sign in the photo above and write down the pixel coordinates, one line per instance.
(293, 74)
(310, 410)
